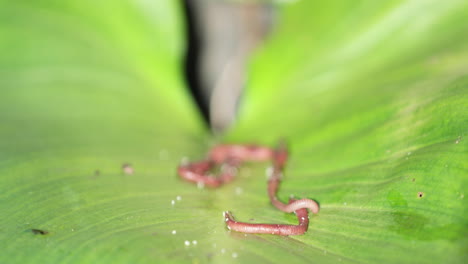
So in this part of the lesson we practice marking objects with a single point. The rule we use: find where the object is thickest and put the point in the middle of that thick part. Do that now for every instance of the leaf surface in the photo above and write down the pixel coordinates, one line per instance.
(370, 96)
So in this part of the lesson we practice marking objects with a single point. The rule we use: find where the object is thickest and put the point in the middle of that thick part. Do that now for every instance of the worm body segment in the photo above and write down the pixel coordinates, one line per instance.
(230, 158)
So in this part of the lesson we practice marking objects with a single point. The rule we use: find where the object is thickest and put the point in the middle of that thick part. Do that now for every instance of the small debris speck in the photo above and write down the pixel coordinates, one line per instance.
(187, 243)
(39, 231)
(420, 194)
(174, 232)
(128, 169)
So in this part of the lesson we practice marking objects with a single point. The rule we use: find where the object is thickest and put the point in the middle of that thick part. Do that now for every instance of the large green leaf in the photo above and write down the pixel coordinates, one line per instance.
(86, 87)
(371, 97)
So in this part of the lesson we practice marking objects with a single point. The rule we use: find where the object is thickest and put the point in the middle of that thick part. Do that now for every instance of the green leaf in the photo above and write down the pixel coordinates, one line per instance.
(371, 97)
(86, 87)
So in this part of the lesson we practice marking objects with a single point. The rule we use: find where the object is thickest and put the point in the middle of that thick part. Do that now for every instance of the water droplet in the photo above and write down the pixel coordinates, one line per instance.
(194, 242)
(163, 154)
(179, 198)
(184, 161)
(200, 185)
(187, 243)
(234, 255)
(239, 190)
(223, 251)
(269, 172)
(172, 202)
(174, 232)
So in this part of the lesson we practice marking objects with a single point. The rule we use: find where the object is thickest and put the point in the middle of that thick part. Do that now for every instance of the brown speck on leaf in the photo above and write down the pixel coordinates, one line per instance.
(39, 231)
(127, 169)
(414, 179)
(420, 194)
(97, 172)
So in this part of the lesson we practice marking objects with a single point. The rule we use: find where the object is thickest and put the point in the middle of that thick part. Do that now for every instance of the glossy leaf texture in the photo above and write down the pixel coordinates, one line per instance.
(372, 97)
(86, 87)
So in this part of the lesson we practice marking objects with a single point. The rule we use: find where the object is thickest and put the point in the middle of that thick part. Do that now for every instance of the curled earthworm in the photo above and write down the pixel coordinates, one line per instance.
(230, 157)
(197, 172)
(291, 206)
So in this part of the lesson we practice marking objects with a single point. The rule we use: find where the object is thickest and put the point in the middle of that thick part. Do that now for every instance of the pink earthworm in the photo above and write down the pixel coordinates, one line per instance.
(197, 172)
(230, 158)
(274, 229)
(222, 153)
(273, 184)
(280, 156)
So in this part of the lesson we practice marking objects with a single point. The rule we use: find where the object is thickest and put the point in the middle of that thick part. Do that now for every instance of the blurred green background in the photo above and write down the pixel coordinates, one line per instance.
(371, 96)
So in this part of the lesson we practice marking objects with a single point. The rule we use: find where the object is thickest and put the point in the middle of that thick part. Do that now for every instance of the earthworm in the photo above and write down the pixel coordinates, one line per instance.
(230, 158)
(197, 172)
(274, 229)
(222, 153)
(291, 206)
